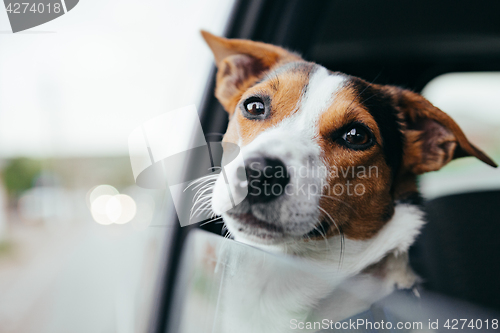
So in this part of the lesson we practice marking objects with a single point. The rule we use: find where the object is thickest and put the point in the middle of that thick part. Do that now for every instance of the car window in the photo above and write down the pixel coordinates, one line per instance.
(223, 284)
(219, 285)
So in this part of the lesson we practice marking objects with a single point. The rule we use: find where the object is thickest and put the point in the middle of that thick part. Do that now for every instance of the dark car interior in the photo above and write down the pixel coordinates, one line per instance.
(389, 42)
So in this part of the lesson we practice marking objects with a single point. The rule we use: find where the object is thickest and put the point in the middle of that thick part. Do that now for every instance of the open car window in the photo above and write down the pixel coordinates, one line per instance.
(223, 284)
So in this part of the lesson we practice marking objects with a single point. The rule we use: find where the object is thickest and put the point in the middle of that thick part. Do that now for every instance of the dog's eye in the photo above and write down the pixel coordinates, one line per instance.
(255, 107)
(357, 137)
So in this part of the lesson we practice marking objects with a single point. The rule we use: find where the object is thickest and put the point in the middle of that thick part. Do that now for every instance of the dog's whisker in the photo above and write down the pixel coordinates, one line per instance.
(228, 234)
(202, 198)
(201, 195)
(211, 221)
(314, 225)
(202, 180)
(205, 182)
(196, 181)
(341, 201)
(342, 242)
(200, 203)
(203, 208)
(224, 229)
(330, 217)
(323, 234)
(200, 211)
(342, 247)
(203, 190)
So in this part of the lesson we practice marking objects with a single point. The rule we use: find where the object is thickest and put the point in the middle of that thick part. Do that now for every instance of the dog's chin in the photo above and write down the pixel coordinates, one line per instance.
(247, 227)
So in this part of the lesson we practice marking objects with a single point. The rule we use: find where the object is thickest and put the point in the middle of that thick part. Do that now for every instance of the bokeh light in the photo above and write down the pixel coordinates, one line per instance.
(107, 206)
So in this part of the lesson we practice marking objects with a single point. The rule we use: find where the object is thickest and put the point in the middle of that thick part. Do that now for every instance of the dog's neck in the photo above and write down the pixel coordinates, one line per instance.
(328, 288)
(357, 255)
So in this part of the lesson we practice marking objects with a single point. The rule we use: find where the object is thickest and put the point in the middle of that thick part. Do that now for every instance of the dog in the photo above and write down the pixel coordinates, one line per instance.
(330, 165)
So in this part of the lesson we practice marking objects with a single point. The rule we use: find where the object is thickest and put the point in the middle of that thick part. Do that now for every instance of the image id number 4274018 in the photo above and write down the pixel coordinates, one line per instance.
(460, 324)
(25, 7)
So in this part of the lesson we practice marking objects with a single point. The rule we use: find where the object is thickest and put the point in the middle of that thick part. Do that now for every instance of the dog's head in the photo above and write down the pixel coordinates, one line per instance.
(325, 153)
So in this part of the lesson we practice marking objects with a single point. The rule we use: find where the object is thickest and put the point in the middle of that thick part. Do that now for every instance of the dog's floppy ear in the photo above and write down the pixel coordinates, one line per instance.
(432, 138)
(240, 64)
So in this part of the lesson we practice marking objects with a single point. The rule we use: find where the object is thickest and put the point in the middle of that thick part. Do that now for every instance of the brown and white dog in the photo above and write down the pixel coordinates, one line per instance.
(331, 164)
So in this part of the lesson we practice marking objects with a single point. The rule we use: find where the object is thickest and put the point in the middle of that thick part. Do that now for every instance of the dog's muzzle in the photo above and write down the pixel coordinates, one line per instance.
(267, 179)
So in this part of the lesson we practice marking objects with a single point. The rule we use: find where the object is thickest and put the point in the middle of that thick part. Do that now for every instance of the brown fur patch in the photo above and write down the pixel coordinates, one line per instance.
(432, 138)
(238, 72)
(241, 63)
(357, 197)
(284, 103)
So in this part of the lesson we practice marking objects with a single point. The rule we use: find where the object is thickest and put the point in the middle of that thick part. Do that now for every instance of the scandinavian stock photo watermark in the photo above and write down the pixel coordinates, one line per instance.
(333, 180)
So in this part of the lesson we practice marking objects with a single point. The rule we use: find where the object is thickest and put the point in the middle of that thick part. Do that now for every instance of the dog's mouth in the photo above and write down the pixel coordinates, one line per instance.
(320, 231)
(249, 224)
(250, 221)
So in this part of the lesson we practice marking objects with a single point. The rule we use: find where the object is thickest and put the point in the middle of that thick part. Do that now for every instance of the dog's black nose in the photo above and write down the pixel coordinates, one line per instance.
(267, 179)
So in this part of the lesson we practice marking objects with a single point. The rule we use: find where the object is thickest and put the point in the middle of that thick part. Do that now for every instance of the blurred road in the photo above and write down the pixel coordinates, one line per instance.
(81, 278)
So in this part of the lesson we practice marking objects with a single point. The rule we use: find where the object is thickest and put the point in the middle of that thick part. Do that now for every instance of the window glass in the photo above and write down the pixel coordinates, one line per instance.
(225, 284)
(471, 99)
